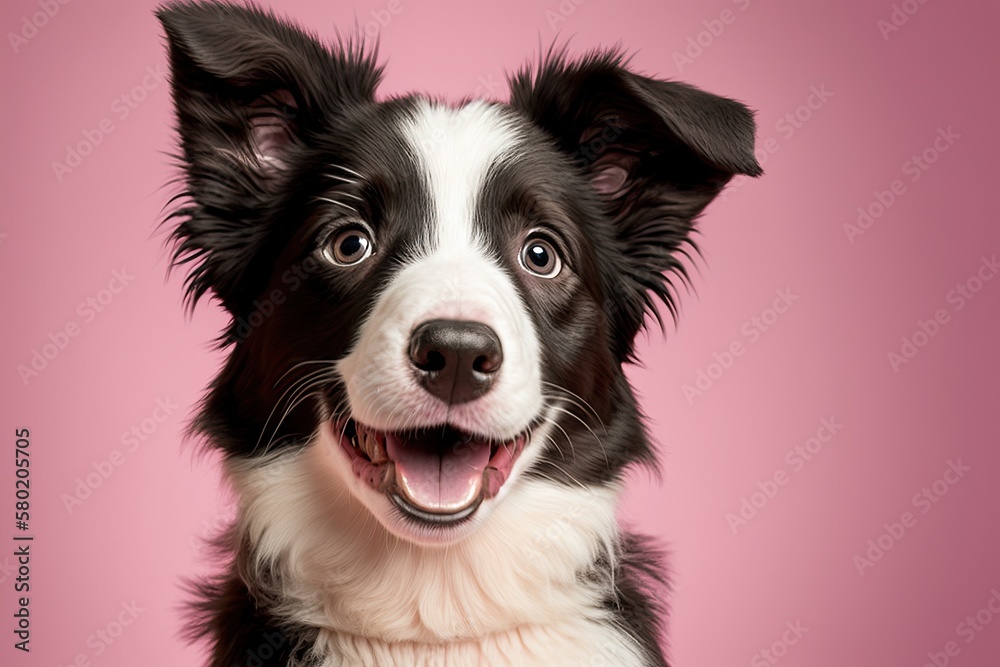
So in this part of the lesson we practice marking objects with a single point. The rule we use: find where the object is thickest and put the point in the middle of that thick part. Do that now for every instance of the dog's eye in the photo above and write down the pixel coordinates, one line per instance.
(539, 256)
(349, 247)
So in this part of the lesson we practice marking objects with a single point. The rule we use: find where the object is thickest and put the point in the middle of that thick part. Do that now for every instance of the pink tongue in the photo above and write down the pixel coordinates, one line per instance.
(440, 483)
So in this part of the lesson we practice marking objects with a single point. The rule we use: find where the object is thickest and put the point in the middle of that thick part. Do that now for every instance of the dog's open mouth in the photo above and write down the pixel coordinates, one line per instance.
(437, 475)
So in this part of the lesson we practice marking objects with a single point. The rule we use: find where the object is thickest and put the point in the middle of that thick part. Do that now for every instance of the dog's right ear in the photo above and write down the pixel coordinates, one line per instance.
(250, 92)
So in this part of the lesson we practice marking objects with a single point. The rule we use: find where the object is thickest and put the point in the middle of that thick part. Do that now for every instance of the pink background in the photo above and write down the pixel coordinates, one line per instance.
(824, 358)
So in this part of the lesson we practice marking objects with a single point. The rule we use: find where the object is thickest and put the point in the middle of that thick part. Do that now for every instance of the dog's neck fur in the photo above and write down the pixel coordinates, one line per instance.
(525, 588)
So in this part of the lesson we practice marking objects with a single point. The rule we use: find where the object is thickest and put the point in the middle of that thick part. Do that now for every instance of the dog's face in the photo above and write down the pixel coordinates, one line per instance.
(441, 296)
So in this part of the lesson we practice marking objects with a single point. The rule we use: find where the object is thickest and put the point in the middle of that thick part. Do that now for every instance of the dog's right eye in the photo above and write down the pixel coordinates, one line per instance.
(540, 257)
(349, 247)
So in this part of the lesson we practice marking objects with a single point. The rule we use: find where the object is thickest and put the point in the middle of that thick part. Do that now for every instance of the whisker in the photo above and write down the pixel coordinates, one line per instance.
(586, 426)
(322, 375)
(291, 388)
(341, 179)
(578, 401)
(338, 203)
(569, 440)
(562, 454)
(303, 363)
(349, 171)
(569, 476)
(301, 395)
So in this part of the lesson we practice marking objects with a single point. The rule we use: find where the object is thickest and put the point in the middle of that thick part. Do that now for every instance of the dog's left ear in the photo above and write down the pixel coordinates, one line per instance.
(655, 152)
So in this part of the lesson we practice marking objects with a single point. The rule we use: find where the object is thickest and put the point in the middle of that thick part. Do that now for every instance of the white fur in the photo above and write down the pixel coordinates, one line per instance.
(507, 594)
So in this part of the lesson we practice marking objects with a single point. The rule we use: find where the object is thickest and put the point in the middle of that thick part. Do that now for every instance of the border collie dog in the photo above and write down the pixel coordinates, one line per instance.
(423, 412)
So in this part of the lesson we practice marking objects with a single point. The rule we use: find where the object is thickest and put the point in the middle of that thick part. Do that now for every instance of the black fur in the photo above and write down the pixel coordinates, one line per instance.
(243, 633)
(256, 213)
(637, 596)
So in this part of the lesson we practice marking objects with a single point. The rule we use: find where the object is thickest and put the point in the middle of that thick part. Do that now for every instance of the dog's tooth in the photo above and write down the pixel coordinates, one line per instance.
(376, 452)
(370, 446)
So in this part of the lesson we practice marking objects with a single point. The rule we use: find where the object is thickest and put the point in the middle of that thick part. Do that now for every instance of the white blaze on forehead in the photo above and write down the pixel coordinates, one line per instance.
(456, 149)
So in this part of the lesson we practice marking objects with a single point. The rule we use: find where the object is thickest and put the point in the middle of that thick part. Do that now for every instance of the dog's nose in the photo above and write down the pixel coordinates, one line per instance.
(456, 361)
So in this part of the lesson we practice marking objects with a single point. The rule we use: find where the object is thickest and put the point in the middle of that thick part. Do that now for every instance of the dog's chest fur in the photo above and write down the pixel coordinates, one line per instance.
(528, 588)
(530, 646)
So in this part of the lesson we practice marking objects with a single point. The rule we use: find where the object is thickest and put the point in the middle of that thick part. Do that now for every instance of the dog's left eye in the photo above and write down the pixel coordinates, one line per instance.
(349, 247)
(540, 257)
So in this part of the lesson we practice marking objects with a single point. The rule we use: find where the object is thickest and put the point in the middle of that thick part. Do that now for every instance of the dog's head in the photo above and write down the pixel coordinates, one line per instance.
(442, 295)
